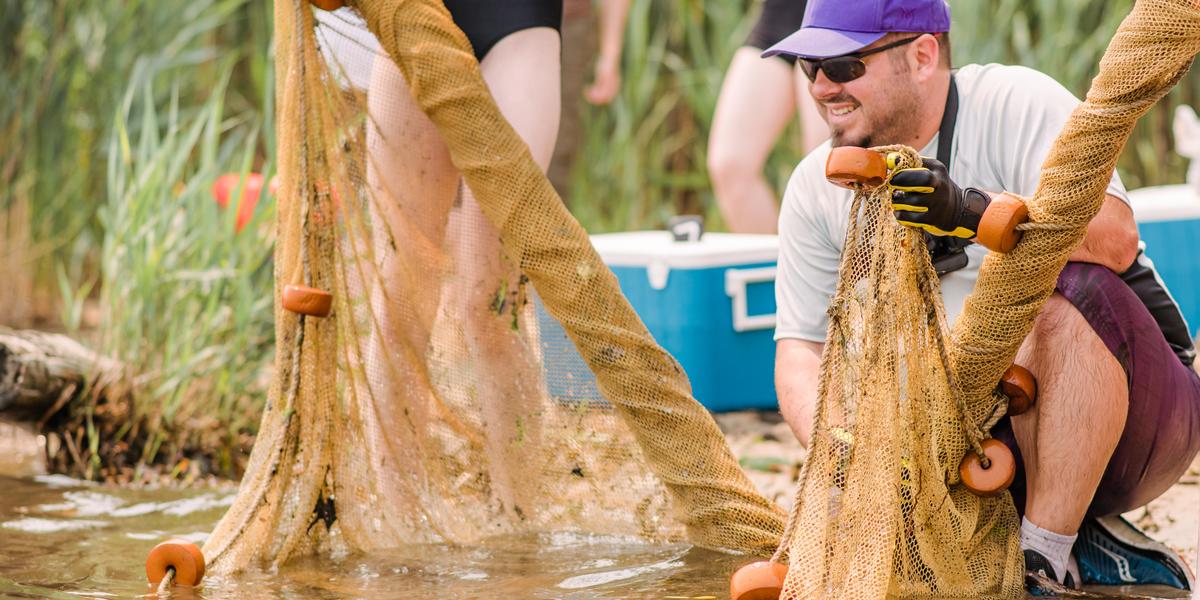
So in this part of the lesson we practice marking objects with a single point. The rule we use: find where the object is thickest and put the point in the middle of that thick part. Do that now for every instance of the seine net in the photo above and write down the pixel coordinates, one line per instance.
(880, 511)
(422, 409)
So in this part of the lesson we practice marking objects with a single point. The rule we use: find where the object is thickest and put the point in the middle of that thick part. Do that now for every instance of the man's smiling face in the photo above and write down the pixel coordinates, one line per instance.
(875, 109)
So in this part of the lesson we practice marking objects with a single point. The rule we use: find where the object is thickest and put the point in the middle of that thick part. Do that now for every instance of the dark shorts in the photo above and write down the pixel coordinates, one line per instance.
(1162, 430)
(486, 22)
(779, 19)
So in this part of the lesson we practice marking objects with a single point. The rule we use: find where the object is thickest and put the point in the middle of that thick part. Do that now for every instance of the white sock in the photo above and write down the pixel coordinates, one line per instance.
(1056, 547)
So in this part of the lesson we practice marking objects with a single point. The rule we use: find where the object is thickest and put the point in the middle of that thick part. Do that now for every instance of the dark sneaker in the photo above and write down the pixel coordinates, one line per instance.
(1040, 578)
(1111, 551)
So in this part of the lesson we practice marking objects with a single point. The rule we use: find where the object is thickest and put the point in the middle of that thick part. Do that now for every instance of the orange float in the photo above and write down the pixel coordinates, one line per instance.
(304, 300)
(762, 580)
(998, 226)
(993, 479)
(1021, 388)
(855, 168)
(224, 186)
(181, 558)
(852, 167)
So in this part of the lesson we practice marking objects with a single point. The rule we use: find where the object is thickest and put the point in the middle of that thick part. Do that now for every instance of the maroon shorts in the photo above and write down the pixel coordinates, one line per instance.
(1162, 430)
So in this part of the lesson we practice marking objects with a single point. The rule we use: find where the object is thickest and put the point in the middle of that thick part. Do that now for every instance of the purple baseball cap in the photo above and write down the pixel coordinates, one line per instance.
(836, 27)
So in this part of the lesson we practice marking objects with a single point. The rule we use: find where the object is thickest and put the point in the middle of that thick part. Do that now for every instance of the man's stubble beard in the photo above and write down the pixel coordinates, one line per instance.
(889, 127)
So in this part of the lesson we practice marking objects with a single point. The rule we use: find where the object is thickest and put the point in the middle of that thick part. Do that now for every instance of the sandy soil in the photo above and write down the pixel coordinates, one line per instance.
(772, 457)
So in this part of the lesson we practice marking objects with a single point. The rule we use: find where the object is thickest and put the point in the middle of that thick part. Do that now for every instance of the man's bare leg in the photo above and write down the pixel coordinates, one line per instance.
(1069, 437)
(1083, 401)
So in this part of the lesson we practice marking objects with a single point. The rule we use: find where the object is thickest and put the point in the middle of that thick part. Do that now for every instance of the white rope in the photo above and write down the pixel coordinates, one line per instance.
(168, 580)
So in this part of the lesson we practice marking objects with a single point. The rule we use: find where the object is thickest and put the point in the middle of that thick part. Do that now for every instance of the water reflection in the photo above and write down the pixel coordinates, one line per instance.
(66, 538)
(63, 538)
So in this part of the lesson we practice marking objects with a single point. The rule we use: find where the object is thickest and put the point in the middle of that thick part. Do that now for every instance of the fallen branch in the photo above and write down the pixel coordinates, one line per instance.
(40, 372)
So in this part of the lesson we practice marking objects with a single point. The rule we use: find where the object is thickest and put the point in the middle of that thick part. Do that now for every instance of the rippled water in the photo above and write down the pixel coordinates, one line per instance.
(63, 538)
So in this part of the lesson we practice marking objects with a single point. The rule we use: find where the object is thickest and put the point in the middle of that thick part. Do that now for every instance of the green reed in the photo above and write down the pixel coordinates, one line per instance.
(64, 68)
(1065, 39)
(186, 300)
(116, 117)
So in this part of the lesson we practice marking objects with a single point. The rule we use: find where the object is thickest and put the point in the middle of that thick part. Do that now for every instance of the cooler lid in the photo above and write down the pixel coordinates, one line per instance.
(1165, 203)
(641, 248)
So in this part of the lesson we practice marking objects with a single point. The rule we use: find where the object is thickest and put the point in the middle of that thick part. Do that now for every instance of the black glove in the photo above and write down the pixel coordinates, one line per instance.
(927, 199)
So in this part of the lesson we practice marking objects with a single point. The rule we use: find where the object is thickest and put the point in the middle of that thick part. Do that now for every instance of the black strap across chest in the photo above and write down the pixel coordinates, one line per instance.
(947, 253)
(946, 130)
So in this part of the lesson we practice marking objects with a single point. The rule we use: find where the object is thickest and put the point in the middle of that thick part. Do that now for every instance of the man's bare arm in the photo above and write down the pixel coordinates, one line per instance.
(797, 371)
(1112, 237)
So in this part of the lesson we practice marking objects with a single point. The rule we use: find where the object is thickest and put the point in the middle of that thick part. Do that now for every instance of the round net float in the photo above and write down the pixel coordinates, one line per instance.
(998, 475)
(1020, 387)
(998, 226)
(328, 4)
(180, 556)
(854, 168)
(304, 300)
(762, 580)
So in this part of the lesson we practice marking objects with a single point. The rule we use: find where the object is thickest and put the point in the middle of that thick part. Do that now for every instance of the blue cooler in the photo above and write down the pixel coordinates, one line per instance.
(710, 303)
(1168, 219)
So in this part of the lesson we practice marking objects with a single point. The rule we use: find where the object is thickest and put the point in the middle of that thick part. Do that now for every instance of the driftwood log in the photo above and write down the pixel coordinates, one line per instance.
(40, 372)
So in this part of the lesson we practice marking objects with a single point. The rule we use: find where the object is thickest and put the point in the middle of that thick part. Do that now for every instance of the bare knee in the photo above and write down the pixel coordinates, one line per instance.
(727, 168)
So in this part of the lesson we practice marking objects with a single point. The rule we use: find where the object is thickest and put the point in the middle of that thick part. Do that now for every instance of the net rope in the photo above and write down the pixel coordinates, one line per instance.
(880, 511)
(424, 409)
(404, 417)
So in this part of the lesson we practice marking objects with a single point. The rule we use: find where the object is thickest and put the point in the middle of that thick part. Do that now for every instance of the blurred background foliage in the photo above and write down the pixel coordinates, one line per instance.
(116, 116)
(642, 159)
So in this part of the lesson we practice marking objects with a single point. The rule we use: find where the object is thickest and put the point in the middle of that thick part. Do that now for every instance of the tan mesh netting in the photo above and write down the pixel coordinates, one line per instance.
(879, 512)
(421, 409)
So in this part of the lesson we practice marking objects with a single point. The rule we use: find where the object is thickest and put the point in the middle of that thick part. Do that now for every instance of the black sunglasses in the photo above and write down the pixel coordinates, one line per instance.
(847, 67)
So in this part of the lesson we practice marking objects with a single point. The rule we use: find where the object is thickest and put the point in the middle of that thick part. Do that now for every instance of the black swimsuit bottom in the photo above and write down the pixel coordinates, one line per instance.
(486, 22)
(779, 19)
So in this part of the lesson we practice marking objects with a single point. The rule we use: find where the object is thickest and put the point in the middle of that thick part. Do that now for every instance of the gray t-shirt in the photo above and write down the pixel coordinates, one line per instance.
(1008, 118)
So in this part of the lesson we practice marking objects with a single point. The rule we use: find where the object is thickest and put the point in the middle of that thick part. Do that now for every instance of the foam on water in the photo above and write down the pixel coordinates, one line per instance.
(36, 525)
(604, 577)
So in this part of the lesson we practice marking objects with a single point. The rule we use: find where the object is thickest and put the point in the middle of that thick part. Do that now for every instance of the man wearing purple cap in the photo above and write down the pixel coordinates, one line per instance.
(1118, 416)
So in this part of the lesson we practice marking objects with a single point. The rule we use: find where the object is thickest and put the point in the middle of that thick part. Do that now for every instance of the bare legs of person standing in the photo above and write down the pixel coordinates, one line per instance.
(421, 201)
(758, 99)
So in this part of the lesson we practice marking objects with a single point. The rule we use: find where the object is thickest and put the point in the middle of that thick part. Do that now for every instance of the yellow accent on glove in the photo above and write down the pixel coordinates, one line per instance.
(960, 232)
(920, 189)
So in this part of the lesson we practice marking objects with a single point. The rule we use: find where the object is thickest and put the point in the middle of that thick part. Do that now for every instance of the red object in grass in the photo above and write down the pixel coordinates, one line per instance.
(225, 185)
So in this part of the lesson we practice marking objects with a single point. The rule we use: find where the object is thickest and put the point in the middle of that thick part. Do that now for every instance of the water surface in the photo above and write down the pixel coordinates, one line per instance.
(65, 538)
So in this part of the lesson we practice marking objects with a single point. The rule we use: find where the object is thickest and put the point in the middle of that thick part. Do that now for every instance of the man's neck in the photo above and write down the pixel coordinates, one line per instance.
(930, 119)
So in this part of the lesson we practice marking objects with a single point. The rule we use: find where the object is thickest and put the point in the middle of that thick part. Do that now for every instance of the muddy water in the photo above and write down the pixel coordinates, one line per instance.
(63, 538)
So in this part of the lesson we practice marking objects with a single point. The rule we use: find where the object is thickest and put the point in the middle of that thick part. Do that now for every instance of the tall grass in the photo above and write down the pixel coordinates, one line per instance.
(64, 67)
(186, 299)
(642, 159)
(116, 116)
(1065, 39)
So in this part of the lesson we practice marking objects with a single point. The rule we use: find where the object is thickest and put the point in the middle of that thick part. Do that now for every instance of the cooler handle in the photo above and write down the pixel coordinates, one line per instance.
(736, 281)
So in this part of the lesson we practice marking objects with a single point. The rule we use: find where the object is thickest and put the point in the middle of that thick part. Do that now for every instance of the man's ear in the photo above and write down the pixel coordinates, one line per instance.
(927, 56)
